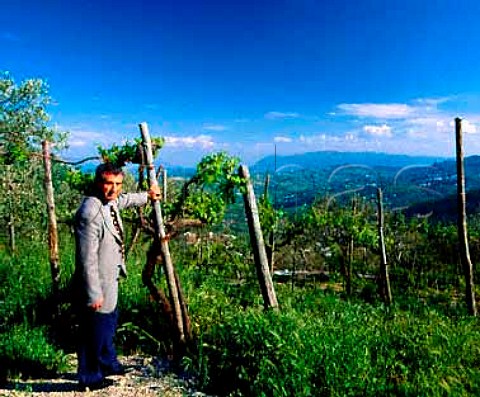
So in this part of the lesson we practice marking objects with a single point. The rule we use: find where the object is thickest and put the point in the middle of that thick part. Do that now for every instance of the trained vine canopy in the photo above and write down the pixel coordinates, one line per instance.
(129, 152)
(207, 194)
(204, 196)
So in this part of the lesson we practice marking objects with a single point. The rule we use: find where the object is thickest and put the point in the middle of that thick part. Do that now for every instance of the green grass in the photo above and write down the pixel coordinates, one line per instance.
(317, 344)
(26, 345)
(26, 351)
(335, 348)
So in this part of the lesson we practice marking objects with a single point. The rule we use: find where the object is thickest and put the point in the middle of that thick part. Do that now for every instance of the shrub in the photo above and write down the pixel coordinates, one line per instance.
(26, 352)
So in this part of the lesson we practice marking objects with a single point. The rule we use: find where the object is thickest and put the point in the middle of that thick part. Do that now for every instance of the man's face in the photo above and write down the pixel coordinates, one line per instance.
(111, 186)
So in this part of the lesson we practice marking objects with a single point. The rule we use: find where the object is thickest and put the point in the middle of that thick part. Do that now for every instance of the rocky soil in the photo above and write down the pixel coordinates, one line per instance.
(146, 377)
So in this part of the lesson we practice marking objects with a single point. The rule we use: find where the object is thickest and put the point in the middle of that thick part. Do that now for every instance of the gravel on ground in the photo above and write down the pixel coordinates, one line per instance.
(146, 377)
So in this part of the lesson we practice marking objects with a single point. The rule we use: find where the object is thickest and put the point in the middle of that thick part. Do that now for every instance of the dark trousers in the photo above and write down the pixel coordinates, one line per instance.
(96, 351)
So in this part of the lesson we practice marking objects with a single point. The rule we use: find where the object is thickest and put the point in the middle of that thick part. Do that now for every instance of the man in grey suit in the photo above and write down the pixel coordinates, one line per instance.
(100, 261)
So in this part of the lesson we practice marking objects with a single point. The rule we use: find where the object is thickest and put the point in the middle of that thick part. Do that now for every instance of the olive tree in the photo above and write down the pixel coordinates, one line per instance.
(24, 124)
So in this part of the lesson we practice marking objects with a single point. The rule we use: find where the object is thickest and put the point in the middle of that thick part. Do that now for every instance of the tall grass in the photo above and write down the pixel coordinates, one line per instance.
(317, 344)
(329, 347)
(26, 345)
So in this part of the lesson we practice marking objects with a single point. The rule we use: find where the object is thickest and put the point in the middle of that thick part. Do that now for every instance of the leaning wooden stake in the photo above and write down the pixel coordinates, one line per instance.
(385, 278)
(52, 225)
(258, 245)
(161, 238)
(462, 223)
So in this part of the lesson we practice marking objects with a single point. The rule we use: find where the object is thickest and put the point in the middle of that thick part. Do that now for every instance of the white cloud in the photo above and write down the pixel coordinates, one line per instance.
(350, 137)
(282, 139)
(348, 142)
(202, 141)
(75, 143)
(81, 138)
(378, 130)
(429, 122)
(432, 103)
(440, 124)
(421, 126)
(417, 134)
(427, 125)
(281, 115)
(321, 139)
(377, 110)
(467, 127)
(214, 127)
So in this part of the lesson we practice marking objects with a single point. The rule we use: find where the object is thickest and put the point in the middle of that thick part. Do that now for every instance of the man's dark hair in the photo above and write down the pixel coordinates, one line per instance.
(106, 168)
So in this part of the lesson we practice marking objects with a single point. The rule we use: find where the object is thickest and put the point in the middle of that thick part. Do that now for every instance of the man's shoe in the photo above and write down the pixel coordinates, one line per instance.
(102, 384)
(116, 370)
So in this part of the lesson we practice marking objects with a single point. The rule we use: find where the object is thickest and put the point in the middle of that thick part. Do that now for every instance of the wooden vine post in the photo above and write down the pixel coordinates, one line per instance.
(266, 186)
(258, 244)
(350, 250)
(160, 237)
(270, 248)
(384, 276)
(11, 232)
(11, 215)
(141, 219)
(165, 184)
(52, 224)
(462, 223)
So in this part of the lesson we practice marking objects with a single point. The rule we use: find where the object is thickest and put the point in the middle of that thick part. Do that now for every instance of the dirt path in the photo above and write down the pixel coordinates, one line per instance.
(146, 377)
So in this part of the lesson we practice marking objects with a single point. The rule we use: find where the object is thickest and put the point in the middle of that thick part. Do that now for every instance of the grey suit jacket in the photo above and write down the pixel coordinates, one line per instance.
(99, 258)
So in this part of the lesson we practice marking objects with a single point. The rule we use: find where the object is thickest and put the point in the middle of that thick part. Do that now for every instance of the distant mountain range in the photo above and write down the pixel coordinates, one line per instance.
(325, 159)
(426, 184)
(420, 184)
(179, 171)
(445, 209)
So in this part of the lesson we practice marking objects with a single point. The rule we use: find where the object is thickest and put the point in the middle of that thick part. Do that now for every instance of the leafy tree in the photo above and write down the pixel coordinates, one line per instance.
(23, 125)
(24, 119)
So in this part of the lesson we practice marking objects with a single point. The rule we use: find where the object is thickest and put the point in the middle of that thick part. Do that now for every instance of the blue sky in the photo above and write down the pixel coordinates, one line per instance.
(246, 76)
